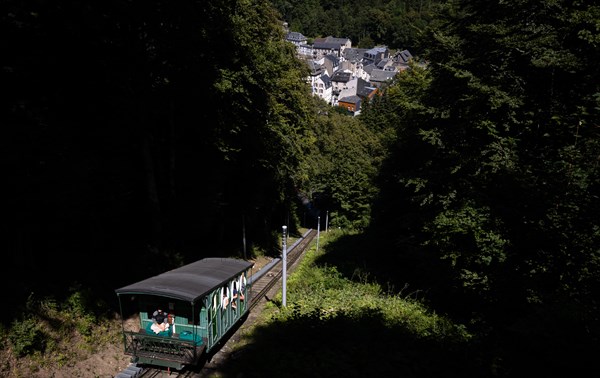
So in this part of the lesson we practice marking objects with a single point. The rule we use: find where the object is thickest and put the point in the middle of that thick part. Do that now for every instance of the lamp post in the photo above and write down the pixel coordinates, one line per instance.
(318, 231)
(244, 235)
(284, 259)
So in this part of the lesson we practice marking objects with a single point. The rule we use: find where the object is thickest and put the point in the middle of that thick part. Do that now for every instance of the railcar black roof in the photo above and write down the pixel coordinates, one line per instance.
(189, 282)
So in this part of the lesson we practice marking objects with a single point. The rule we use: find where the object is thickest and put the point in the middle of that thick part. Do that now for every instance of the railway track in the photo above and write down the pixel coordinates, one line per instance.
(266, 278)
(260, 283)
(158, 373)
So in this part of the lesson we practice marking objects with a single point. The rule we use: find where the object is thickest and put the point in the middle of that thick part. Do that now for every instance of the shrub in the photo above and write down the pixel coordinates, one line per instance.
(26, 337)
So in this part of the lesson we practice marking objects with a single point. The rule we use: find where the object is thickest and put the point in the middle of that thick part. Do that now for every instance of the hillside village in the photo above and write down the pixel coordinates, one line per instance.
(345, 76)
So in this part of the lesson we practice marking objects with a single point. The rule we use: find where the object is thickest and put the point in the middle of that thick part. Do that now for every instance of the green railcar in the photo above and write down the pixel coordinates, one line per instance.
(201, 302)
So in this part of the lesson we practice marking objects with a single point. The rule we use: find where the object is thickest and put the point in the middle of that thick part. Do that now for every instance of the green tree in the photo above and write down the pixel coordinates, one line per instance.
(262, 102)
(341, 167)
(493, 181)
(145, 131)
(394, 23)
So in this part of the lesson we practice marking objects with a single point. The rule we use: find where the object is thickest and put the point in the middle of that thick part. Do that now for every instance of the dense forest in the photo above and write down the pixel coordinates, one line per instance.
(144, 134)
(141, 135)
(490, 191)
(395, 23)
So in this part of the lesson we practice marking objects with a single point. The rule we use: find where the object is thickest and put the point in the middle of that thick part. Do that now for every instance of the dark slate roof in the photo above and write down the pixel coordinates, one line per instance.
(342, 77)
(350, 99)
(377, 50)
(369, 68)
(334, 59)
(295, 37)
(315, 68)
(364, 88)
(189, 282)
(326, 46)
(382, 63)
(382, 75)
(339, 41)
(326, 80)
(404, 56)
(329, 43)
(354, 54)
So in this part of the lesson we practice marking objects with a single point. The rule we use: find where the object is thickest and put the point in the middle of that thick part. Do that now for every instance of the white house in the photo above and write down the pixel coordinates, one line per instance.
(319, 81)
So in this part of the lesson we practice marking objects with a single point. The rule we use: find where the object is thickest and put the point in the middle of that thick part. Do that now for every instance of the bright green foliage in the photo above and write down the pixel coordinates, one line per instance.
(349, 327)
(322, 291)
(341, 167)
(262, 104)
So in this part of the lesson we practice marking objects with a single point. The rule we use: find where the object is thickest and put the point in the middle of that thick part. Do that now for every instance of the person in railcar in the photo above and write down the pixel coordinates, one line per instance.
(236, 294)
(225, 294)
(159, 321)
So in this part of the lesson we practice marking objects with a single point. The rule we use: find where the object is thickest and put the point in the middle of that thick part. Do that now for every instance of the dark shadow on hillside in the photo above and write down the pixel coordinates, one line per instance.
(345, 346)
(511, 339)
(363, 257)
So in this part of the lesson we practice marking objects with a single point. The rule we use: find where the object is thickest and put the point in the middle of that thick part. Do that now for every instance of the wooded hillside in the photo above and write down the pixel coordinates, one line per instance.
(142, 135)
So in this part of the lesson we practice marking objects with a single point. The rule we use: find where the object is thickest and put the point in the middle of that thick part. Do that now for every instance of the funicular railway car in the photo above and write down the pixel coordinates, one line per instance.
(202, 302)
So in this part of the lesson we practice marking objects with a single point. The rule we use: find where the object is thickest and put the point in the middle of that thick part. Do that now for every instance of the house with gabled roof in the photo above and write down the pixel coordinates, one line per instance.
(339, 71)
(322, 88)
(403, 56)
(296, 38)
(319, 81)
(368, 68)
(330, 45)
(331, 63)
(376, 54)
(340, 80)
(316, 70)
(358, 92)
(354, 54)
(343, 84)
(379, 77)
(385, 64)
(301, 43)
(350, 103)
(353, 62)
(401, 60)
(365, 90)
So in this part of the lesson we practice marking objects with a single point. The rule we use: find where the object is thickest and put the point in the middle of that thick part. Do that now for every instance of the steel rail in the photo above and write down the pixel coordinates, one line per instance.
(293, 254)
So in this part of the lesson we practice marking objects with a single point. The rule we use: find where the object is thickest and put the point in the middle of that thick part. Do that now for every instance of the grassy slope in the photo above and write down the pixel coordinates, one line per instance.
(340, 325)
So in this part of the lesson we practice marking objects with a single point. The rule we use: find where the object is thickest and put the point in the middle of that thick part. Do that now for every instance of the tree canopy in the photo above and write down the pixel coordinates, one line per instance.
(493, 177)
(342, 163)
(145, 131)
(366, 23)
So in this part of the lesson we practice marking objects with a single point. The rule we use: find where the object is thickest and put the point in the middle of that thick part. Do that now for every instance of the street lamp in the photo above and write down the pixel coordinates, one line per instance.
(318, 231)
